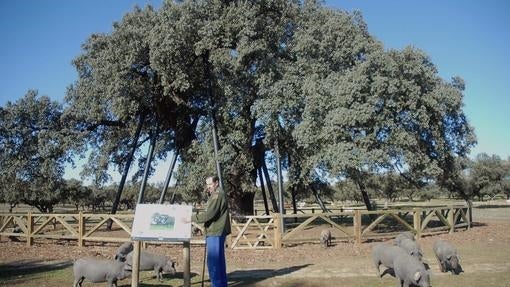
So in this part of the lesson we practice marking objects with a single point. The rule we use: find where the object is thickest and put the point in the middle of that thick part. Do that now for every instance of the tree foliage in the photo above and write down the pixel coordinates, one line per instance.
(308, 81)
(118, 89)
(33, 152)
(489, 175)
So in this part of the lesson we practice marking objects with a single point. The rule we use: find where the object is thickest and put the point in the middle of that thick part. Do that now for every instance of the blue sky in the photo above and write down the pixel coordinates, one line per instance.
(466, 38)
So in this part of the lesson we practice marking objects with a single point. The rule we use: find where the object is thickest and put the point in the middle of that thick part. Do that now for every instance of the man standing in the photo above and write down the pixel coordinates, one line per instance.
(216, 220)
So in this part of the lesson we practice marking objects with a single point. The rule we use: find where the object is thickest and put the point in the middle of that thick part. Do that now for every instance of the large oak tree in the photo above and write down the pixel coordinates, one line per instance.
(308, 80)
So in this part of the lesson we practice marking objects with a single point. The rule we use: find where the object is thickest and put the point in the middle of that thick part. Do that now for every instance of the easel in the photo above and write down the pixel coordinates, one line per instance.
(161, 223)
(136, 263)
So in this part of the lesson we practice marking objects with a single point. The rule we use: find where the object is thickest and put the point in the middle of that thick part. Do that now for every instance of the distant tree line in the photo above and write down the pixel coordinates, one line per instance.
(290, 76)
(484, 178)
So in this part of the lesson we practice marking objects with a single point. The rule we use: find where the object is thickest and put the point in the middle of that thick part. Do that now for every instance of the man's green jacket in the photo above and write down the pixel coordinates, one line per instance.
(216, 218)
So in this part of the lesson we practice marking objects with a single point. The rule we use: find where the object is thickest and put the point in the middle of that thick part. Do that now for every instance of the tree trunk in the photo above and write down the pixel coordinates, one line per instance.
(240, 202)
(263, 190)
(470, 211)
(150, 153)
(318, 198)
(358, 179)
(11, 206)
(366, 198)
(134, 143)
(269, 187)
(293, 196)
(168, 177)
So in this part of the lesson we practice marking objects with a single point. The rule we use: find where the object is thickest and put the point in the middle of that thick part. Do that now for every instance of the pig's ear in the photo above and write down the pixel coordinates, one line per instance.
(417, 276)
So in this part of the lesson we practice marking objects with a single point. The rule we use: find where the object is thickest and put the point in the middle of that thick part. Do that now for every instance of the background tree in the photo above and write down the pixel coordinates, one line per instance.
(33, 152)
(77, 193)
(488, 175)
(347, 191)
(386, 185)
(506, 179)
(390, 112)
(430, 192)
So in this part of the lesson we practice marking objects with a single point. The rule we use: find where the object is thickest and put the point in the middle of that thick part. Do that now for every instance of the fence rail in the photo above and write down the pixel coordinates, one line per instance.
(249, 232)
(347, 225)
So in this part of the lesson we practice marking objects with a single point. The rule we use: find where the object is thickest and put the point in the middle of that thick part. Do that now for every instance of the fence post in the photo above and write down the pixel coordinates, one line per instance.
(186, 258)
(81, 229)
(357, 226)
(451, 219)
(417, 222)
(30, 227)
(135, 275)
(469, 216)
(277, 231)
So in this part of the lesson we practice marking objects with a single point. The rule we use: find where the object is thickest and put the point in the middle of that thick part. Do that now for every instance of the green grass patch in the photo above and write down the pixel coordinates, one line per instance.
(36, 277)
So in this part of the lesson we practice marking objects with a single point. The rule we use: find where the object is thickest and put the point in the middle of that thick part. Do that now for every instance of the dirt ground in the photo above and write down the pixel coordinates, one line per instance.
(484, 249)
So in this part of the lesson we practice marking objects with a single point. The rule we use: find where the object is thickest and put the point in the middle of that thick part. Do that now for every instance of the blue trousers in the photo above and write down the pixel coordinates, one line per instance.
(216, 260)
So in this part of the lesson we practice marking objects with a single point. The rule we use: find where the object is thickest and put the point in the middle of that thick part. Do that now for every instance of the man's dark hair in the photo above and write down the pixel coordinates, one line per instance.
(214, 178)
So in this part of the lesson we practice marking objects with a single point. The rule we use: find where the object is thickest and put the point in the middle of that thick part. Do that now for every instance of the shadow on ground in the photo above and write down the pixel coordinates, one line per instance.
(236, 278)
(30, 267)
(252, 276)
(168, 280)
(493, 206)
(478, 224)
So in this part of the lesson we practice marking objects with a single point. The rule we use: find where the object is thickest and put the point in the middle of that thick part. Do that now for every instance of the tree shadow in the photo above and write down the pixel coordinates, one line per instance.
(167, 280)
(478, 224)
(495, 205)
(235, 279)
(252, 276)
(24, 268)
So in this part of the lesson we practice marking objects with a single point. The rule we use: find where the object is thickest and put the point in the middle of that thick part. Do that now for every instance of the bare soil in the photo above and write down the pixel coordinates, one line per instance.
(485, 251)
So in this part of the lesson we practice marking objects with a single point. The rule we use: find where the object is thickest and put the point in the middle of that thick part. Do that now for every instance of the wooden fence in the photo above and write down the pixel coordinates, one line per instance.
(248, 232)
(357, 226)
(80, 227)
